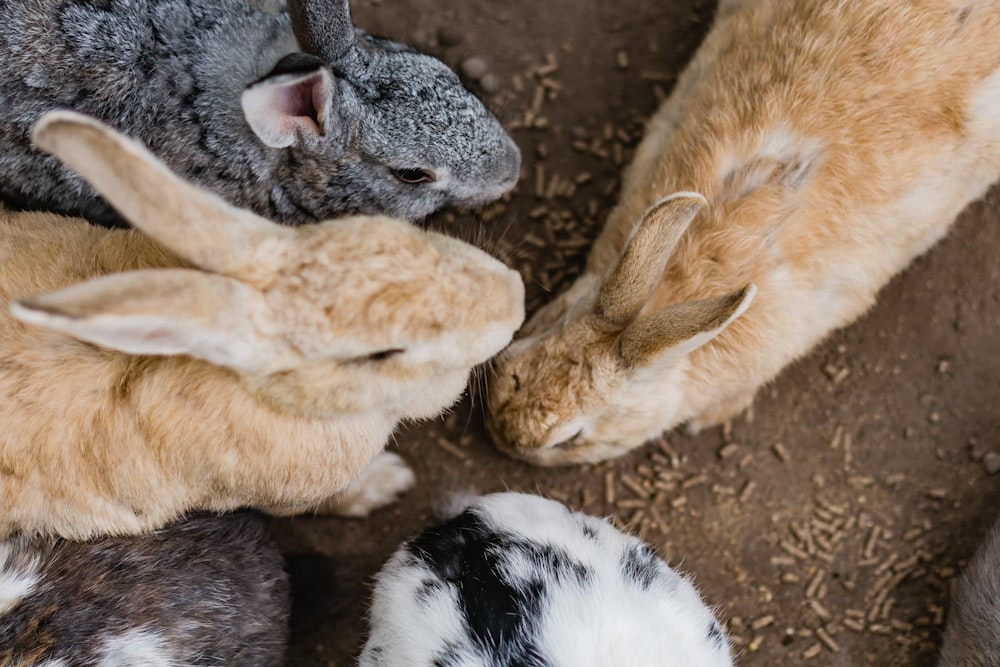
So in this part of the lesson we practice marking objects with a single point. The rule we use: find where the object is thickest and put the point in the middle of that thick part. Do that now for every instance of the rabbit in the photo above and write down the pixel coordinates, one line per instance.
(516, 579)
(972, 635)
(808, 153)
(208, 590)
(293, 114)
(217, 360)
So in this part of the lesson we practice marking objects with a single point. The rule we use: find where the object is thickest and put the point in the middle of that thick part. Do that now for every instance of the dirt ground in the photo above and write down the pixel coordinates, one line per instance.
(828, 525)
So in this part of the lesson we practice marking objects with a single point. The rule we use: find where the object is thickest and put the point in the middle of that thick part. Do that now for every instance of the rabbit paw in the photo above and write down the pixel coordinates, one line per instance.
(380, 484)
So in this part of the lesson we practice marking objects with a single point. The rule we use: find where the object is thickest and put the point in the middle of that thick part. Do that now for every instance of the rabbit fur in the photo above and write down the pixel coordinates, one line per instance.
(516, 579)
(972, 636)
(235, 362)
(807, 154)
(207, 590)
(292, 113)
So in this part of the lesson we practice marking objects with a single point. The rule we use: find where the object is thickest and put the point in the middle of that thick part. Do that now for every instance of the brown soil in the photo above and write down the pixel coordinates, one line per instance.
(828, 526)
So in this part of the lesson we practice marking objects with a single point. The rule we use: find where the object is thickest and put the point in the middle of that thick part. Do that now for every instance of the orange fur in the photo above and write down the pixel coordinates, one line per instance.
(97, 441)
(834, 141)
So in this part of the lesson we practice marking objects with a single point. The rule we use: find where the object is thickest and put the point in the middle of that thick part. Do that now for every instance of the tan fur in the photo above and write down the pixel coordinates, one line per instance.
(835, 140)
(97, 441)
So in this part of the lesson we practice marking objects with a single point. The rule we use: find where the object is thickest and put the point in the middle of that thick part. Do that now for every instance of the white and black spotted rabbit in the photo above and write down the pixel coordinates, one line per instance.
(519, 580)
(208, 590)
(294, 114)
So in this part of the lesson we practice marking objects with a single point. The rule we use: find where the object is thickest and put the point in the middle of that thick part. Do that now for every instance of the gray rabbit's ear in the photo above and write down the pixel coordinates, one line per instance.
(291, 103)
(323, 27)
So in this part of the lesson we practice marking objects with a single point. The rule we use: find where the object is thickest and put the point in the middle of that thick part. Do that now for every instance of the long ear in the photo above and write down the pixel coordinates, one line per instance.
(164, 312)
(292, 101)
(682, 328)
(323, 27)
(640, 268)
(197, 225)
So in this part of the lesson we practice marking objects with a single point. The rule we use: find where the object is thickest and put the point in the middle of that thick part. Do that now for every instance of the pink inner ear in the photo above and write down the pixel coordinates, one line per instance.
(301, 99)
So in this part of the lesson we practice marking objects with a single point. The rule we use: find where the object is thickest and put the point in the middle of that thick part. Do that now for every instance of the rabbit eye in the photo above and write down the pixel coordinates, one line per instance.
(413, 176)
(383, 354)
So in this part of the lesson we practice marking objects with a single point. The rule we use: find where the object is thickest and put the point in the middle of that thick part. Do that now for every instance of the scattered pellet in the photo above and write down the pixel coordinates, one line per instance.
(451, 448)
(886, 609)
(820, 610)
(814, 583)
(886, 564)
(675, 459)
(747, 489)
(762, 622)
(630, 503)
(793, 550)
(728, 450)
(649, 75)
(871, 542)
(827, 640)
(694, 481)
(609, 487)
(853, 624)
(804, 536)
(812, 651)
(780, 451)
(634, 486)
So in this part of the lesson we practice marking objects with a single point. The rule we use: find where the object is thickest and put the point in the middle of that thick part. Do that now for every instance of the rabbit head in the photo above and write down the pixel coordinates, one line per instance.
(587, 361)
(406, 137)
(341, 317)
(517, 579)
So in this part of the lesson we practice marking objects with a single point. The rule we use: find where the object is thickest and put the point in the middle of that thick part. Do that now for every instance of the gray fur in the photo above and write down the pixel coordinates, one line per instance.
(172, 73)
(205, 591)
(972, 637)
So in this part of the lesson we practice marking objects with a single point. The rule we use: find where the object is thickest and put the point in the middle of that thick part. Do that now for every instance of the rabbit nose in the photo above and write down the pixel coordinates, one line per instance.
(509, 169)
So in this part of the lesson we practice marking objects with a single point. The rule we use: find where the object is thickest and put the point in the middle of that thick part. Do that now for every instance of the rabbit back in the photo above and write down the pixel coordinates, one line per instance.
(517, 579)
(208, 590)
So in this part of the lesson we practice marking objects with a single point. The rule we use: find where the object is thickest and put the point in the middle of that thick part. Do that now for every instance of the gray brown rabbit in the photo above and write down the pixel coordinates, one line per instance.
(293, 114)
(972, 636)
(207, 590)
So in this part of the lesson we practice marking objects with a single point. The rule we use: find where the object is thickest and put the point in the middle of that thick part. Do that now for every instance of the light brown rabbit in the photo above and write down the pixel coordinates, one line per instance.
(236, 362)
(834, 141)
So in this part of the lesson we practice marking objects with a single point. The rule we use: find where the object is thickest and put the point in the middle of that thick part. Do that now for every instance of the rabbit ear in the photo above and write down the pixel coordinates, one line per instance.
(323, 27)
(683, 328)
(293, 101)
(164, 312)
(197, 225)
(640, 268)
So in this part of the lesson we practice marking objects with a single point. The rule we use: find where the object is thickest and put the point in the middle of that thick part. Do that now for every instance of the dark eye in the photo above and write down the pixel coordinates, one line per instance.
(383, 354)
(413, 176)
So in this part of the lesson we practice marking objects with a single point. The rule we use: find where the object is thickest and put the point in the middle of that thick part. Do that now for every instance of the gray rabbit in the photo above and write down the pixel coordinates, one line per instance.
(208, 590)
(972, 637)
(293, 113)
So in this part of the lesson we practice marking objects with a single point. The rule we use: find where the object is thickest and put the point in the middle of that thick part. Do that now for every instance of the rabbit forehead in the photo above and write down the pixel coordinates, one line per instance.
(416, 112)
(358, 284)
(542, 383)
